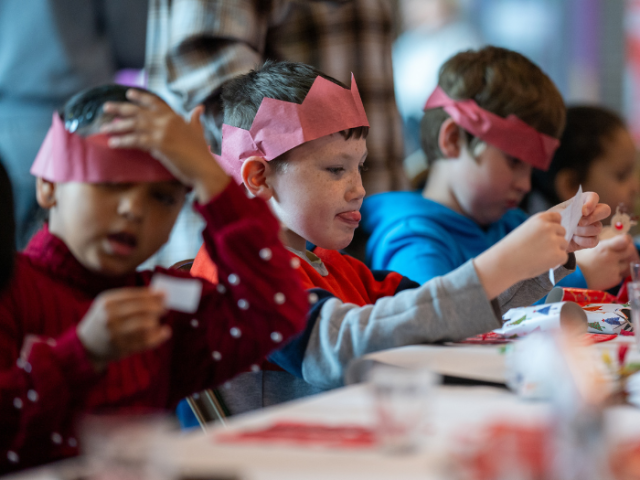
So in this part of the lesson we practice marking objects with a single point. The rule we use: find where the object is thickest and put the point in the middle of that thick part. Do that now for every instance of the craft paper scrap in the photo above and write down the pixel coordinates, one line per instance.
(570, 217)
(581, 296)
(519, 322)
(182, 294)
(303, 434)
(600, 318)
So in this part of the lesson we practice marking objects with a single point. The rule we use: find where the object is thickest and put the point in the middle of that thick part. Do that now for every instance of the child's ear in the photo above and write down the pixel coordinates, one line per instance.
(566, 184)
(255, 172)
(449, 139)
(45, 193)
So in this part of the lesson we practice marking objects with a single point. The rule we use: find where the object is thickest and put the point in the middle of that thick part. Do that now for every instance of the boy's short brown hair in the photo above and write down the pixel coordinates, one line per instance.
(501, 81)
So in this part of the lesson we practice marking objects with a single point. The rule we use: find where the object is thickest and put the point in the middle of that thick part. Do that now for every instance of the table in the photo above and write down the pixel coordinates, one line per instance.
(477, 362)
(454, 412)
(485, 363)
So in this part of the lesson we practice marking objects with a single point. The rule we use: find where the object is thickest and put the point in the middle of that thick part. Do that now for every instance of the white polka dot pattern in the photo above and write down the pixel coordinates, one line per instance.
(266, 254)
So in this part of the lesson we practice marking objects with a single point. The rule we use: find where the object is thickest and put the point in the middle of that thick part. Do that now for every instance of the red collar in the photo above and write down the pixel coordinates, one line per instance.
(50, 254)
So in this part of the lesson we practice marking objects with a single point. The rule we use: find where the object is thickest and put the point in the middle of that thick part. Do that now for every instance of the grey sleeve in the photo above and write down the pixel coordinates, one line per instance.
(447, 308)
(530, 291)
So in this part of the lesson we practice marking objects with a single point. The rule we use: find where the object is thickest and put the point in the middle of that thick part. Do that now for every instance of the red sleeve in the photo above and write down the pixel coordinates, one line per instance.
(203, 267)
(257, 304)
(379, 283)
(39, 392)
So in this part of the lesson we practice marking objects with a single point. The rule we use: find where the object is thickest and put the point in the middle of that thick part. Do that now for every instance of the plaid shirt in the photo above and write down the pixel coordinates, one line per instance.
(194, 46)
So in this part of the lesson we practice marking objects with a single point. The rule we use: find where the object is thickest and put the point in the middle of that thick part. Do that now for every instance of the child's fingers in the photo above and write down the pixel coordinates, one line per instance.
(121, 109)
(584, 242)
(589, 231)
(141, 141)
(158, 336)
(152, 304)
(589, 202)
(551, 216)
(146, 100)
(123, 125)
(146, 339)
(600, 212)
(195, 117)
(619, 244)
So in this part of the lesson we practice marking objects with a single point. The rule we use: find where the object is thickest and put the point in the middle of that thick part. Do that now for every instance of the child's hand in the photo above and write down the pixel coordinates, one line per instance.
(123, 322)
(590, 226)
(150, 124)
(607, 265)
(530, 250)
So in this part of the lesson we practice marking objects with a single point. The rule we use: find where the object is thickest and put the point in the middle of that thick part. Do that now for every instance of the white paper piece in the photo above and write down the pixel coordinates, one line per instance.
(181, 294)
(570, 217)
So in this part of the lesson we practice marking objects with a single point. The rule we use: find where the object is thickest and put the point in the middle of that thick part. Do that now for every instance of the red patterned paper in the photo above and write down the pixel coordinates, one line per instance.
(305, 434)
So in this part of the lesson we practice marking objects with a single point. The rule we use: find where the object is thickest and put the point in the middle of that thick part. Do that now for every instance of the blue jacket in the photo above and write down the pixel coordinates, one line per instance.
(422, 239)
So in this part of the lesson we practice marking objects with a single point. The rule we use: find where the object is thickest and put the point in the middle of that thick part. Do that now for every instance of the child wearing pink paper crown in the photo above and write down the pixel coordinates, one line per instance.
(81, 331)
(493, 118)
(297, 139)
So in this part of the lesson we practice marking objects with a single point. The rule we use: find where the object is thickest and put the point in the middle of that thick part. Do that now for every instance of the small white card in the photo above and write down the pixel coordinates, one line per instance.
(570, 217)
(181, 294)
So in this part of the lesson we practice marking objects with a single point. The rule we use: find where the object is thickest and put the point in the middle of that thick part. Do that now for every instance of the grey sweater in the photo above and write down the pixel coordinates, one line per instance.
(447, 308)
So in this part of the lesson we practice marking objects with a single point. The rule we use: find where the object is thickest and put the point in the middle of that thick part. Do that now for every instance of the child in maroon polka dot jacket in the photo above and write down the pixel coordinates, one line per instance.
(80, 329)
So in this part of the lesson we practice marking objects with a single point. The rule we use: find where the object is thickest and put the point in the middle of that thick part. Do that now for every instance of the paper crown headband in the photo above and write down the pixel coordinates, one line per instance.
(67, 157)
(511, 135)
(280, 126)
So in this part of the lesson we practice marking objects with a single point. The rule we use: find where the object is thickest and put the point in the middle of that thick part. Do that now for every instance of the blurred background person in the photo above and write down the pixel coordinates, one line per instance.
(8, 230)
(49, 50)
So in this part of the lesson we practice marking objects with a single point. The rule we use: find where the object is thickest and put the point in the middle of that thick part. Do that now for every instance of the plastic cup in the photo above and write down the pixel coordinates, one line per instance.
(635, 272)
(633, 290)
(400, 398)
(126, 447)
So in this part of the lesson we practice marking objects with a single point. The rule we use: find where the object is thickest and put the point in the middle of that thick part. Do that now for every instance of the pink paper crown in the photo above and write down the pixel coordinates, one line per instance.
(511, 135)
(67, 157)
(280, 126)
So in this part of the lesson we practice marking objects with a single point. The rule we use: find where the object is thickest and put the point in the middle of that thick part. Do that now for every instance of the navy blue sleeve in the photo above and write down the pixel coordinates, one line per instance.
(405, 283)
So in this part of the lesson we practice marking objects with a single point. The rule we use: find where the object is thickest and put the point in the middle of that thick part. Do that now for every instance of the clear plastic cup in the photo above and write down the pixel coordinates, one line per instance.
(127, 447)
(633, 291)
(635, 271)
(400, 398)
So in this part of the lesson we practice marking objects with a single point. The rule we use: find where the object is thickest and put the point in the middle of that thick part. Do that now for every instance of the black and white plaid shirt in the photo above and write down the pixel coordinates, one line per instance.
(194, 46)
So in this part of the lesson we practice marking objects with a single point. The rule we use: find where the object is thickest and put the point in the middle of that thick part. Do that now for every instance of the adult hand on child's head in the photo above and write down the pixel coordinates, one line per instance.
(122, 322)
(606, 265)
(149, 124)
(530, 250)
(590, 225)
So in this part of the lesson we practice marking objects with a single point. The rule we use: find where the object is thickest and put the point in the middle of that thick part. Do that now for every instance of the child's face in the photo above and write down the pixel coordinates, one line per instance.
(488, 185)
(614, 175)
(111, 228)
(319, 193)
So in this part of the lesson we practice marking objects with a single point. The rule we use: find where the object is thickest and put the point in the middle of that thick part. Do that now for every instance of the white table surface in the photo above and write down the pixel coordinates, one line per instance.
(454, 412)
(476, 362)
